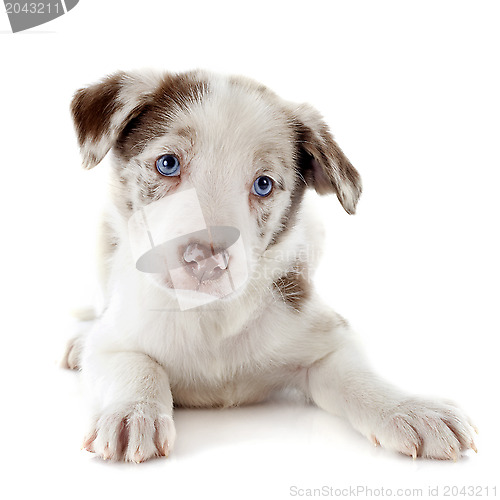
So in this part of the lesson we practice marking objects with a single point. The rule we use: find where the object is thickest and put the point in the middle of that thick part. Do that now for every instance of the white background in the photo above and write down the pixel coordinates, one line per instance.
(411, 92)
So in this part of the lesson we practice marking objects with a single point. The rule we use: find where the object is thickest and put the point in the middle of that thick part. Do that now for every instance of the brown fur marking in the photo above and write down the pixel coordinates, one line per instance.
(294, 287)
(319, 146)
(93, 107)
(290, 213)
(174, 92)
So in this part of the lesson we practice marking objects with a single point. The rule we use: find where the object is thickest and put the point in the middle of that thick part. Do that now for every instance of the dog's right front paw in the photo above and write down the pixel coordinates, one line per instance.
(425, 428)
(134, 434)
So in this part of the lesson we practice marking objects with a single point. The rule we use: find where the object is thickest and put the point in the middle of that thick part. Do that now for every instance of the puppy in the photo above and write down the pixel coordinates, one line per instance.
(207, 249)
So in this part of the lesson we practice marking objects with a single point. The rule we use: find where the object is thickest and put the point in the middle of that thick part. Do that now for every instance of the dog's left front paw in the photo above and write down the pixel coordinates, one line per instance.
(423, 428)
(133, 433)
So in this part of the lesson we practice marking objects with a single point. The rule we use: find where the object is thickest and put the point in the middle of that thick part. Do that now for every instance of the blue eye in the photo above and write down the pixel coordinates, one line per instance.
(262, 186)
(168, 165)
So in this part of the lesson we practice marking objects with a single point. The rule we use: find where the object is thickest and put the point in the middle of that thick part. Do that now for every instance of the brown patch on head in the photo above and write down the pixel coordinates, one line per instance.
(180, 90)
(127, 109)
(294, 288)
(174, 93)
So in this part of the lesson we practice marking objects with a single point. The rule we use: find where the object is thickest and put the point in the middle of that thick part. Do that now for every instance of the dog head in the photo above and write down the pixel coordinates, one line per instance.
(212, 168)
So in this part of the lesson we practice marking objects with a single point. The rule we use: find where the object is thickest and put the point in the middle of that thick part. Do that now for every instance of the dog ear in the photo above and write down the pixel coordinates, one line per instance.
(323, 164)
(101, 111)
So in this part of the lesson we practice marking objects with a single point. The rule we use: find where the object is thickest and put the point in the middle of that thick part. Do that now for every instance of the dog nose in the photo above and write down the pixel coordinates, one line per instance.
(205, 263)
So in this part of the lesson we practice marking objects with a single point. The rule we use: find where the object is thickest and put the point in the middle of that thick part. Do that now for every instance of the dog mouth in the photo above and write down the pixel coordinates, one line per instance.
(218, 285)
(191, 290)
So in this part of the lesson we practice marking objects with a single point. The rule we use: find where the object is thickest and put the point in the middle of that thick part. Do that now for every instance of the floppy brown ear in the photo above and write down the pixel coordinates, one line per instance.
(323, 164)
(101, 111)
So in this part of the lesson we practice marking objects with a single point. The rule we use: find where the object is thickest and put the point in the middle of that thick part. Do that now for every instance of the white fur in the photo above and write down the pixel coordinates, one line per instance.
(143, 353)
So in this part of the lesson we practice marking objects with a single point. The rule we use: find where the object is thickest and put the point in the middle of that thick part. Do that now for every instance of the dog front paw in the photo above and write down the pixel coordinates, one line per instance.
(422, 428)
(133, 434)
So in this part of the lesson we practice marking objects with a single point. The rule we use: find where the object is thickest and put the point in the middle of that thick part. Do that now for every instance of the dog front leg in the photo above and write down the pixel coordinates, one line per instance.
(343, 383)
(133, 416)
